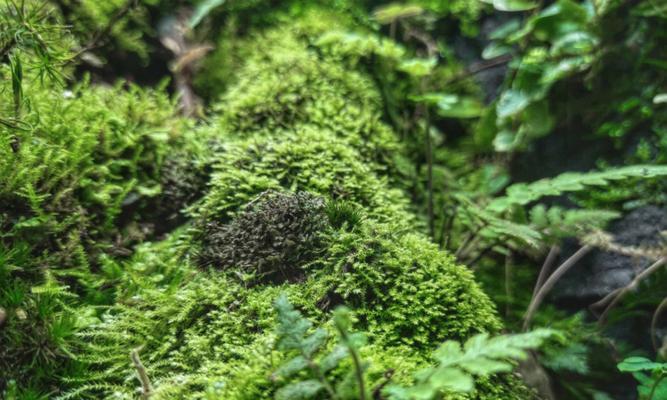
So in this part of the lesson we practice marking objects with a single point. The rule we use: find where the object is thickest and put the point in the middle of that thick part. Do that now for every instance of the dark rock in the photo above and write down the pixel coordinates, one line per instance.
(601, 272)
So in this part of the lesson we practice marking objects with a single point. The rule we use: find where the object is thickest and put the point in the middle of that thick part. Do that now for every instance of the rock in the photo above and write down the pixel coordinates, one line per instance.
(601, 272)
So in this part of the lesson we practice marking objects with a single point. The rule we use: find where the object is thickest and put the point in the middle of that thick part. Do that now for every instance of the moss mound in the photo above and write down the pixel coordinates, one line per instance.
(295, 122)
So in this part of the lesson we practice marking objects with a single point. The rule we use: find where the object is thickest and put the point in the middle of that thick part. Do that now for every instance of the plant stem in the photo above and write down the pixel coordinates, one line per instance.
(618, 294)
(546, 268)
(146, 387)
(655, 385)
(654, 322)
(549, 284)
(429, 172)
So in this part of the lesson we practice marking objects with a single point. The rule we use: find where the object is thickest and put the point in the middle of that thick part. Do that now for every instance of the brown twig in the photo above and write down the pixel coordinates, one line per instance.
(146, 387)
(546, 268)
(551, 282)
(480, 67)
(654, 322)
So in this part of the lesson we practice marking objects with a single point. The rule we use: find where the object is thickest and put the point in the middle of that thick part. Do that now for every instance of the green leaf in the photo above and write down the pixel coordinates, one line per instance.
(453, 379)
(660, 98)
(512, 5)
(302, 390)
(291, 367)
(392, 12)
(525, 193)
(511, 102)
(635, 364)
(418, 67)
(202, 10)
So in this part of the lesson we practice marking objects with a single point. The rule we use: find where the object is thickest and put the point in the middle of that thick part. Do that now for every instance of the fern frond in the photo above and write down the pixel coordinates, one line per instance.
(524, 193)
(457, 366)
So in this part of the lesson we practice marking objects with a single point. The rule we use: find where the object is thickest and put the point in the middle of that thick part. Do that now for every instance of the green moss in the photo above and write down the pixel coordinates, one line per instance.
(302, 159)
(293, 122)
(405, 289)
(76, 173)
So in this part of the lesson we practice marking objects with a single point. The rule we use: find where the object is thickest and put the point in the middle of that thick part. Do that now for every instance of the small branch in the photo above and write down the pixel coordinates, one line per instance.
(480, 67)
(615, 297)
(447, 224)
(377, 390)
(655, 386)
(654, 322)
(508, 283)
(551, 282)
(146, 387)
(546, 268)
(429, 172)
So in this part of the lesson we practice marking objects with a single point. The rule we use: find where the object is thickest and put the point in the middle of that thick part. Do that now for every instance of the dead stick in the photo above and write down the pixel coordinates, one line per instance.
(146, 387)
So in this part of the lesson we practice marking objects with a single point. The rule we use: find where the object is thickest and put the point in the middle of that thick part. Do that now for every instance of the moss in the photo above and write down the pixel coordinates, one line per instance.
(80, 169)
(272, 239)
(302, 159)
(405, 289)
(293, 122)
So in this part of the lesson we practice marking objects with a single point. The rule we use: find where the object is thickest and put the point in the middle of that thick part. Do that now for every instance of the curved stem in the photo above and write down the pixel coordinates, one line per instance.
(620, 293)
(549, 284)
(655, 386)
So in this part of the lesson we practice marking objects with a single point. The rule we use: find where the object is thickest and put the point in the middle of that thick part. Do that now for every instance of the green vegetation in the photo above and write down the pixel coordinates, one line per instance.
(255, 199)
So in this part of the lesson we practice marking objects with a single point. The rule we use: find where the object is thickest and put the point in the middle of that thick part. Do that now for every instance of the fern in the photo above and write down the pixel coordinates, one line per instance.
(458, 366)
(522, 194)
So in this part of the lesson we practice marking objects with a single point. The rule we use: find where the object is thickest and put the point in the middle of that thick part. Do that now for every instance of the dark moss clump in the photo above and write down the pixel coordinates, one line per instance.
(275, 235)
(183, 179)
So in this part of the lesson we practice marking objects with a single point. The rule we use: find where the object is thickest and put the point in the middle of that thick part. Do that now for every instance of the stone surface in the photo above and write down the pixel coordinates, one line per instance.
(601, 272)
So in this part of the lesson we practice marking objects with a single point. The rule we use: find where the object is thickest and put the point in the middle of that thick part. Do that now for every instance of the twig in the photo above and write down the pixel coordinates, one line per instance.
(480, 67)
(546, 268)
(377, 390)
(447, 224)
(615, 297)
(654, 322)
(549, 284)
(146, 387)
(508, 283)
(429, 166)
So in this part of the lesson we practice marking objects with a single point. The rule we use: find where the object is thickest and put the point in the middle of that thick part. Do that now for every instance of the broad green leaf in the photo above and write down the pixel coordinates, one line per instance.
(202, 10)
(511, 102)
(392, 12)
(634, 364)
(660, 98)
(291, 367)
(453, 105)
(453, 379)
(302, 390)
(495, 49)
(418, 67)
(512, 5)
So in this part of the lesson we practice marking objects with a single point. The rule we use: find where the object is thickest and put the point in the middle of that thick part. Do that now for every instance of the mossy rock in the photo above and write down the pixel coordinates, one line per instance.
(213, 337)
